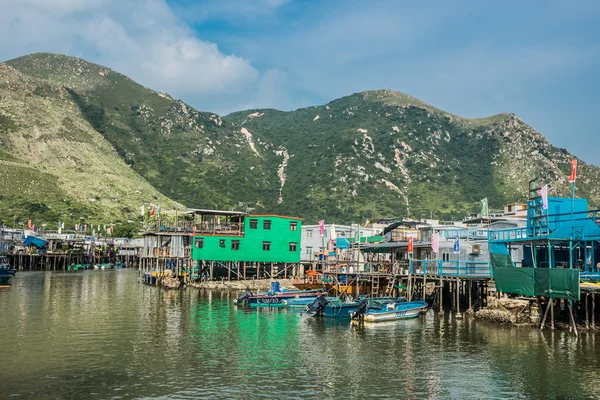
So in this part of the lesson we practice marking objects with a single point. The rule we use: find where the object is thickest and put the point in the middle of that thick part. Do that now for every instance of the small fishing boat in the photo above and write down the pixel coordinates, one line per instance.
(275, 299)
(391, 312)
(301, 302)
(6, 272)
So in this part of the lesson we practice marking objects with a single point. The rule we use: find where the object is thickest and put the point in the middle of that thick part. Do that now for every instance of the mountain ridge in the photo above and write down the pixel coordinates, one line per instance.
(369, 154)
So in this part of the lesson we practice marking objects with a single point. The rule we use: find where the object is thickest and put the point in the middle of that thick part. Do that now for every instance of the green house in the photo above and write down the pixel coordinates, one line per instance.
(255, 238)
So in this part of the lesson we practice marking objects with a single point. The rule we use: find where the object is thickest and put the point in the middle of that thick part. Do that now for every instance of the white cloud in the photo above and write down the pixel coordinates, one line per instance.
(140, 38)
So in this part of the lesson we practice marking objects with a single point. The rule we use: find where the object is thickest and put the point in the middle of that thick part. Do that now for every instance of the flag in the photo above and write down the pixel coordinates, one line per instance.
(410, 245)
(322, 227)
(333, 233)
(573, 176)
(158, 213)
(85, 227)
(435, 242)
(457, 245)
(152, 211)
(544, 194)
(143, 210)
(485, 210)
(29, 224)
(32, 228)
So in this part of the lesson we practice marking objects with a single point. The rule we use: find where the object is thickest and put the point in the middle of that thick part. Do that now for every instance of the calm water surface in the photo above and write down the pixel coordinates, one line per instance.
(101, 335)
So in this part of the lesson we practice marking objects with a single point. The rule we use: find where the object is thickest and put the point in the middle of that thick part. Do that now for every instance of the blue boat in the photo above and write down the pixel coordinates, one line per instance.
(391, 312)
(6, 272)
(337, 308)
(277, 299)
(301, 302)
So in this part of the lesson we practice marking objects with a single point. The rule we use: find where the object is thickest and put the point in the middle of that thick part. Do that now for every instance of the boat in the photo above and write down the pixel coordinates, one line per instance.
(6, 272)
(391, 312)
(301, 302)
(338, 308)
(275, 299)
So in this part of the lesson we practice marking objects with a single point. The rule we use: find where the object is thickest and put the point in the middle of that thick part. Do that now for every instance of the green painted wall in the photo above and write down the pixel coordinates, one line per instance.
(251, 244)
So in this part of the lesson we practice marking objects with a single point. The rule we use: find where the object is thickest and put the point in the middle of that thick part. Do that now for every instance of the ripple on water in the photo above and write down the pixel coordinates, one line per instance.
(101, 334)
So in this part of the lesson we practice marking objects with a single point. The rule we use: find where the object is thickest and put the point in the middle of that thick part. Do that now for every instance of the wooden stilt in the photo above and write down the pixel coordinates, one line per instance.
(587, 319)
(470, 300)
(458, 295)
(551, 313)
(572, 318)
(593, 310)
(545, 315)
(441, 293)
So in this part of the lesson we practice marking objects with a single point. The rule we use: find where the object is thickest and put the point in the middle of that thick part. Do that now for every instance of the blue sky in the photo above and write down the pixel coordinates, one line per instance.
(539, 60)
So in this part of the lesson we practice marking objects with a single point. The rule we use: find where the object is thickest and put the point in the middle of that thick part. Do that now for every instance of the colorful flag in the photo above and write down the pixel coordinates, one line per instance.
(573, 176)
(544, 194)
(457, 245)
(152, 211)
(29, 224)
(435, 242)
(410, 245)
(485, 210)
(32, 228)
(322, 227)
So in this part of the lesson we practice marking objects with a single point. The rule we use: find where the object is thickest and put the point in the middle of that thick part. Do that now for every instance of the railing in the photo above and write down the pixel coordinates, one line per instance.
(200, 227)
(458, 268)
(507, 235)
(465, 233)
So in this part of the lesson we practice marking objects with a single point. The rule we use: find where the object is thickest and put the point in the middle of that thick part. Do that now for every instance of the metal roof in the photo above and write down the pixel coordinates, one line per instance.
(213, 212)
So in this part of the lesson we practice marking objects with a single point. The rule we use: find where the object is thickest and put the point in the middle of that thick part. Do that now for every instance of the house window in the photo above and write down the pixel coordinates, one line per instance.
(253, 223)
(235, 245)
(266, 225)
(309, 233)
(199, 243)
(293, 226)
(293, 246)
(222, 243)
(266, 246)
(309, 250)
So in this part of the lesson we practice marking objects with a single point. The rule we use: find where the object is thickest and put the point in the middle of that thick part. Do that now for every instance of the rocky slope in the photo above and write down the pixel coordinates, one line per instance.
(371, 154)
(54, 166)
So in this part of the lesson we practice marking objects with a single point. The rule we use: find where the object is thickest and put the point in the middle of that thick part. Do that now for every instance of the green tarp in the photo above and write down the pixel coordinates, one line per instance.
(556, 282)
(515, 280)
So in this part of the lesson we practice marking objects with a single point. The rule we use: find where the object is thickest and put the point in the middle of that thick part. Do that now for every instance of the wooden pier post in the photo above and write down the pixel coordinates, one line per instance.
(458, 295)
(551, 313)
(545, 315)
(571, 317)
(587, 320)
(470, 300)
(441, 293)
(593, 310)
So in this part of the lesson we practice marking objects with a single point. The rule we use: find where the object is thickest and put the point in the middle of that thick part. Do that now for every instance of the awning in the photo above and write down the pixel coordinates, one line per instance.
(31, 240)
(342, 243)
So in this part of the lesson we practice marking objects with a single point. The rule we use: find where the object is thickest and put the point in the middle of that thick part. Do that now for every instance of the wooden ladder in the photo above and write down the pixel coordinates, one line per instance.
(375, 287)
(390, 287)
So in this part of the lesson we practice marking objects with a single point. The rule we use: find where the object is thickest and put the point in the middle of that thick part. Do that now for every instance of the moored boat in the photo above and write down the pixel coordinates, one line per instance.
(6, 272)
(275, 299)
(392, 311)
(301, 302)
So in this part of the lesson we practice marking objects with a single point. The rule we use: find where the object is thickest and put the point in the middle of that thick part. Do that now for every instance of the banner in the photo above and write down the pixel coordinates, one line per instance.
(573, 176)
(435, 242)
(544, 193)
(457, 245)
(322, 227)
(485, 210)
(410, 245)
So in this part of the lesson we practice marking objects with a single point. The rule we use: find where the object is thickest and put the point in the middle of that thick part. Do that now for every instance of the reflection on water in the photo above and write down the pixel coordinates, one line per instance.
(100, 334)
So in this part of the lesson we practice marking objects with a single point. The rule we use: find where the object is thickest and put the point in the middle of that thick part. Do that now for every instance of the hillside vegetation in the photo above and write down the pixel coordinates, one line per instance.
(372, 154)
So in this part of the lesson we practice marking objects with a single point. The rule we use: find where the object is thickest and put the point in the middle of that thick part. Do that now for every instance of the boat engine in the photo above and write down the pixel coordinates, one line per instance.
(360, 311)
(317, 306)
(243, 297)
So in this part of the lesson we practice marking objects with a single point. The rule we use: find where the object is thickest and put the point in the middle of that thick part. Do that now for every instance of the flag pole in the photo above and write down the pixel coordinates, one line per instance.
(572, 198)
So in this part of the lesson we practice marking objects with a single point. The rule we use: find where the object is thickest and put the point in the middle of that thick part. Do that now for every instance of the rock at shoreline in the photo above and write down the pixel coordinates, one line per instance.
(253, 284)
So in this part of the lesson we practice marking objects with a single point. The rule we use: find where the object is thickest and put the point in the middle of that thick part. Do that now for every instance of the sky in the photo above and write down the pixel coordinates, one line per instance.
(537, 59)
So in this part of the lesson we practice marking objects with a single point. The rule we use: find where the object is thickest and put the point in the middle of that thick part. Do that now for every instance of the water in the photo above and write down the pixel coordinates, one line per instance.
(101, 335)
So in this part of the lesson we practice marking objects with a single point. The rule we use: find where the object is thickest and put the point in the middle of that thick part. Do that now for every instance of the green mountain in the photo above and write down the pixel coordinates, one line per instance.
(371, 154)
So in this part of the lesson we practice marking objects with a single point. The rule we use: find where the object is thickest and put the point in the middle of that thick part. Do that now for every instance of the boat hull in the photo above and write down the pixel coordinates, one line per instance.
(6, 274)
(401, 311)
(340, 310)
(278, 300)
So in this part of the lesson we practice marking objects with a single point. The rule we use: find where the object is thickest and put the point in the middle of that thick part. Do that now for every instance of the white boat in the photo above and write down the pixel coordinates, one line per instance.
(395, 311)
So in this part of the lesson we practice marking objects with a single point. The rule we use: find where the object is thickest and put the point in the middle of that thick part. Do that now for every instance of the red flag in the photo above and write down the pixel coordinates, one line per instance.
(410, 245)
(322, 227)
(152, 211)
(573, 176)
